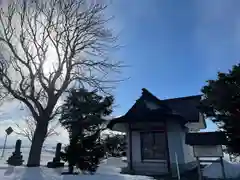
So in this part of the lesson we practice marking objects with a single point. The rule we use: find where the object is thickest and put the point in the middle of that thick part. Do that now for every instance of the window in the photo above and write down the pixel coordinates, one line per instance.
(153, 145)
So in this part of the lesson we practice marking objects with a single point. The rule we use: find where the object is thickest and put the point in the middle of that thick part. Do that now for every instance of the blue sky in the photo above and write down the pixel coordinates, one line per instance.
(171, 46)
(174, 46)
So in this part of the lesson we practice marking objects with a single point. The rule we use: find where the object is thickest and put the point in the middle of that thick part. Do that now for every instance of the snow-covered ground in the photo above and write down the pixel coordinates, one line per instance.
(108, 170)
(214, 170)
(46, 155)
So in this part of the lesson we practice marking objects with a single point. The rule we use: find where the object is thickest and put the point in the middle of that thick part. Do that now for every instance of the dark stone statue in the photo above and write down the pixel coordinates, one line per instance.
(16, 158)
(56, 160)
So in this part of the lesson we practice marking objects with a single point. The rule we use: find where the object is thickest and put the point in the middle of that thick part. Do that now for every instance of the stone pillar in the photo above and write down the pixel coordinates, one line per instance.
(56, 162)
(16, 158)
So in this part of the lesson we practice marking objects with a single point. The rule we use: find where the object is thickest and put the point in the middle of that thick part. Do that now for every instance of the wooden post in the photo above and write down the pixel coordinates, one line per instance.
(167, 147)
(130, 147)
(4, 146)
(223, 170)
(199, 169)
(177, 166)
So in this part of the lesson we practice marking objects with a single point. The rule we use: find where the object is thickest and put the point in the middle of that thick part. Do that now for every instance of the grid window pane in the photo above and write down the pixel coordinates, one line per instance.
(153, 145)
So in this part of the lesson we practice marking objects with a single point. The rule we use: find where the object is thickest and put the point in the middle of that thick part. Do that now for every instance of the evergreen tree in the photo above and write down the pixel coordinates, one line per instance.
(83, 116)
(221, 103)
(116, 144)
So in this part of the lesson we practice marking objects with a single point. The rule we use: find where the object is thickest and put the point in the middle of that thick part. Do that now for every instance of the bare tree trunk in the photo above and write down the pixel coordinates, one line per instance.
(37, 143)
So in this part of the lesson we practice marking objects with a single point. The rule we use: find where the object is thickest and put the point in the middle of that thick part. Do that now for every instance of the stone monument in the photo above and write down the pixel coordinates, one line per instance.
(56, 162)
(16, 158)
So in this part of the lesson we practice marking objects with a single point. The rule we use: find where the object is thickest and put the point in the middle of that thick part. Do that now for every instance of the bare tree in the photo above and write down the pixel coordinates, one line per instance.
(48, 47)
(27, 130)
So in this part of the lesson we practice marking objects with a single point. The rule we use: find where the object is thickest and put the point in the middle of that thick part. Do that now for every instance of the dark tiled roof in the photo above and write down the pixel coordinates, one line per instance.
(152, 116)
(184, 109)
(186, 106)
(206, 138)
(140, 107)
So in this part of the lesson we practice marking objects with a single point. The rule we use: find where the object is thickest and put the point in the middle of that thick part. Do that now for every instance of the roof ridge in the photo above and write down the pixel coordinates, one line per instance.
(145, 91)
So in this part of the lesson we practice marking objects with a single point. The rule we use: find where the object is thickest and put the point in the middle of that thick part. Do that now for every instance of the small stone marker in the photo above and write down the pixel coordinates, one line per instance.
(16, 158)
(56, 160)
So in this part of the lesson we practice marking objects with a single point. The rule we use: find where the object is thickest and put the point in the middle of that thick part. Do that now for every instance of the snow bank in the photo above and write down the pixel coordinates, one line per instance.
(43, 173)
(109, 169)
(124, 159)
(214, 170)
(50, 150)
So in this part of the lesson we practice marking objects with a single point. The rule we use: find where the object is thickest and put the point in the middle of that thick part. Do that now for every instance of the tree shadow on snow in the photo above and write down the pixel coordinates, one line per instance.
(37, 173)
(58, 170)
(9, 170)
(97, 176)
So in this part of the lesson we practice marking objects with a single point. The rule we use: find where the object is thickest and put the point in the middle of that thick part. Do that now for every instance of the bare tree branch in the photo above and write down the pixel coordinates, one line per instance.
(28, 128)
(73, 32)
(47, 46)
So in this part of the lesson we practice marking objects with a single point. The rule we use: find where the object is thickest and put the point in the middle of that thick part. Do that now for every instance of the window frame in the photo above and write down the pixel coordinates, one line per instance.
(153, 132)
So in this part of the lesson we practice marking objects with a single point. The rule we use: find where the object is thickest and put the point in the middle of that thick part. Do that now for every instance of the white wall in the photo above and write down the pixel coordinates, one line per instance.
(127, 147)
(187, 150)
(175, 141)
(136, 143)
